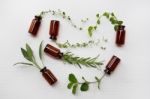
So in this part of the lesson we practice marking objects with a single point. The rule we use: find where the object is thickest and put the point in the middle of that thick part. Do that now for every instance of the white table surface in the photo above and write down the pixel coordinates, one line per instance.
(129, 81)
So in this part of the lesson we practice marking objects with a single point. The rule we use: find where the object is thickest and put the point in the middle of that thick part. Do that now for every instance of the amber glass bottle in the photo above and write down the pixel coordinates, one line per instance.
(54, 29)
(53, 51)
(35, 24)
(48, 75)
(112, 64)
(120, 35)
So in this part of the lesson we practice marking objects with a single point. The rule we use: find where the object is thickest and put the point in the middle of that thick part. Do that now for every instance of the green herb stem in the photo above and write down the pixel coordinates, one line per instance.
(75, 60)
(84, 86)
(64, 16)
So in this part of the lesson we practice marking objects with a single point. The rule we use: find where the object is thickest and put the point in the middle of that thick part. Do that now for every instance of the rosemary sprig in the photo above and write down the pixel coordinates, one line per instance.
(84, 86)
(75, 60)
(64, 16)
(28, 55)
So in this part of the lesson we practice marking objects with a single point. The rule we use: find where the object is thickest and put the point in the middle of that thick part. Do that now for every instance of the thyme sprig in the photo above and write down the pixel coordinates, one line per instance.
(89, 43)
(84, 86)
(28, 55)
(66, 17)
(75, 60)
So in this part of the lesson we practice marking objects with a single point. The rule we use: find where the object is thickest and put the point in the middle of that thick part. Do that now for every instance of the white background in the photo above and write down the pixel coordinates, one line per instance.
(130, 80)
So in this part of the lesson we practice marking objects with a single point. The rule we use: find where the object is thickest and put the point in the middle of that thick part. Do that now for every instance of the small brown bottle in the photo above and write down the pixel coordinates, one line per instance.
(35, 24)
(112, 64)
(120, 35)
(48, 75)
(54, 29)
(53, 51)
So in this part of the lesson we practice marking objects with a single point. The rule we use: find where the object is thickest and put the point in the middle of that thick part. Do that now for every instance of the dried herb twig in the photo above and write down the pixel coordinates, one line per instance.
(88, 62)
(84, 86)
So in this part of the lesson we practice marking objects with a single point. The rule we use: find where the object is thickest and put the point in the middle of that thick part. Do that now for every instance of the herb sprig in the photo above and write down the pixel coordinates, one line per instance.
(113, 19)
(64, 16)
(98, 42)
(28, 55)
(93, 28)
(110, 16)
(84, 86)
(75, 60)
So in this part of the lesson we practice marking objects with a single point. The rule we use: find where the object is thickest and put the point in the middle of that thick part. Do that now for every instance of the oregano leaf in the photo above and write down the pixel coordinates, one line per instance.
(69, 86)
(84, 87)
(72, 78)
(74, 89)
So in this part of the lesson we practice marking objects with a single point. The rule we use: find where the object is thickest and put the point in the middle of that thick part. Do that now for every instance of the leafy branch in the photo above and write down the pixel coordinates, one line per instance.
(64, 16)
(93, 28)
(84, 86)
(90, 43)
(75, 60)
(110, 16)
(28, 55)
(113, 19)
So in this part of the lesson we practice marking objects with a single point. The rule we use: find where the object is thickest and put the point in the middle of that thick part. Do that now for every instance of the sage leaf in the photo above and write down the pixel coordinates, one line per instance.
(40, 50)
(23, 63)
(24, 53)
(29, 52)
(84, 87)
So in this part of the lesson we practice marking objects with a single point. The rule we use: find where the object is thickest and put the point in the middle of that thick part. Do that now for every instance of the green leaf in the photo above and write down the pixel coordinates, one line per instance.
(98, 81)
(120, 22)
(74, 89)
(72, 78)
(63, 13)
(90, 30)
(95, 27)
(116, 27)
(24, 53)
(84, 87)
(23, 63)
(69, 86)
(40, 50)
(106, 14)
(112, 20)
(97, 15)
(98, 21)
(29, 52)
(112, 14)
